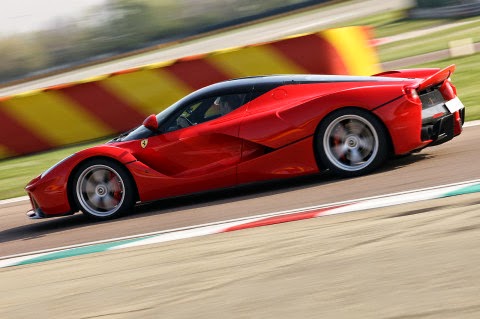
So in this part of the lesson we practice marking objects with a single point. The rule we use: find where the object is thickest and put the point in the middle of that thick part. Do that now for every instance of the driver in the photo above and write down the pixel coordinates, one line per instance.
(228, 103)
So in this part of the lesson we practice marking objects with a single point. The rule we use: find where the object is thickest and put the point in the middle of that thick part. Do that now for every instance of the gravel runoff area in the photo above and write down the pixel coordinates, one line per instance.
(408, 261)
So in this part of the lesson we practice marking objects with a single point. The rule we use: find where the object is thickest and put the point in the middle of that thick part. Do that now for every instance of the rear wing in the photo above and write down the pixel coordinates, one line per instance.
(426, 77)
(437, 78)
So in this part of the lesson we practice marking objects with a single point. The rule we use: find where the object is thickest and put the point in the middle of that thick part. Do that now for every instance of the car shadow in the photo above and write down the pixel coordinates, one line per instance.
(41, 228)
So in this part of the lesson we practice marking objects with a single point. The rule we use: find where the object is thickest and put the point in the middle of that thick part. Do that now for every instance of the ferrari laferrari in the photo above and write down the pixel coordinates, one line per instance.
(254, 129)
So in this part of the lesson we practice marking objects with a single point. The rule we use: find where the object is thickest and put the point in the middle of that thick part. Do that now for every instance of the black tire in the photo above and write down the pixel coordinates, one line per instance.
(351, 142)
(103, 189)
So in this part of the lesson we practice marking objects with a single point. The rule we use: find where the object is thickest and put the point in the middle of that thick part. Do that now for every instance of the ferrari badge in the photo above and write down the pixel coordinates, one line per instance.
(144, 143)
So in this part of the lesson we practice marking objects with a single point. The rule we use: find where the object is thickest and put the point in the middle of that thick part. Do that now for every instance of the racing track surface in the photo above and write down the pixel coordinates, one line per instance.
(407, 261)
(456, 161)
(402, 262)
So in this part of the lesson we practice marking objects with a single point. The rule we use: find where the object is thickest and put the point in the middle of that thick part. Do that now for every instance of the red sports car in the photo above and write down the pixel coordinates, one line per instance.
(253, 129)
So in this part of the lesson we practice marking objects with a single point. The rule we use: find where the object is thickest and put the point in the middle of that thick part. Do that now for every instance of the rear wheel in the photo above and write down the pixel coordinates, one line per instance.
(103, 189)
(351, 142)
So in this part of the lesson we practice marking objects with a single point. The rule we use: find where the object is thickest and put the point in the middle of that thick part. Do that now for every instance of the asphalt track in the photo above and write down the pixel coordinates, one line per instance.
(452, 162)
(406, 261)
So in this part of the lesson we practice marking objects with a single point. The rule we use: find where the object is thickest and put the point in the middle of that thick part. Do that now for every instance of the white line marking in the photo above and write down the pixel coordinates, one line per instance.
(15, 200)
(210, 228)
(471, 123)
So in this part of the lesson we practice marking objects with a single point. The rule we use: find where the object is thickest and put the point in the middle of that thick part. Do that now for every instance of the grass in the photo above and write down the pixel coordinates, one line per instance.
(394, 22)
(431, 42)
(15, 173)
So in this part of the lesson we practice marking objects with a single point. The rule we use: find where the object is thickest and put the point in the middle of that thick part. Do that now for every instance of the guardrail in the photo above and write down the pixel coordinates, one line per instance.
(98, 107)
(446, 12)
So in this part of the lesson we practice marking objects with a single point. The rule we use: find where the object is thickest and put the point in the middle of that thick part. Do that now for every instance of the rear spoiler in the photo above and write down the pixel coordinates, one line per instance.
(427, 77)
(437, 78)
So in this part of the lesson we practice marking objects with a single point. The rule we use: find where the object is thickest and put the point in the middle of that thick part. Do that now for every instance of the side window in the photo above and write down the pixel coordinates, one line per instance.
(225, 104)
(206, 110)
(187, 118)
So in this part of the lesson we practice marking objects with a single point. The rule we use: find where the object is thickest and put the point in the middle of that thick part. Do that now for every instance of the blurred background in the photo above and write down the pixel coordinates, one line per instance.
(38, 38)
(37, 41)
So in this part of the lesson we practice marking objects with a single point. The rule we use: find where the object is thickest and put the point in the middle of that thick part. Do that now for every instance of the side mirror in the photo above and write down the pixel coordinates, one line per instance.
(151, 123)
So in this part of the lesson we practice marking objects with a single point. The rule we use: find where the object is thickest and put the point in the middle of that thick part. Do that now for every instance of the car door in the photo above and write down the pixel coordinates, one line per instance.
(199, 147)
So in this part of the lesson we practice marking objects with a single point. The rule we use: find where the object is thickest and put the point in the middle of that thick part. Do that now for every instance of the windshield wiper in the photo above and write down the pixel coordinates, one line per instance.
(119, 137)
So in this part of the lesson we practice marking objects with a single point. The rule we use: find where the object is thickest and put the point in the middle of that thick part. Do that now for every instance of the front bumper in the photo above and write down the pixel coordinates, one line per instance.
(48, 198)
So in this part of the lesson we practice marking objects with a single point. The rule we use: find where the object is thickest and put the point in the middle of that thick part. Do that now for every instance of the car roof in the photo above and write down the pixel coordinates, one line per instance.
(268, 82)
(264, 83)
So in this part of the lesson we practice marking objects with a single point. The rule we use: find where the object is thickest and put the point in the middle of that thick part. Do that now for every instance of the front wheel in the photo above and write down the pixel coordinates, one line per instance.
(103, 189)
(351, 142)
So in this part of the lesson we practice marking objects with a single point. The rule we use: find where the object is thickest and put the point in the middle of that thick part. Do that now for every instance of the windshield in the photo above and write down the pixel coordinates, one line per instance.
(141, 131)
(134, 134)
